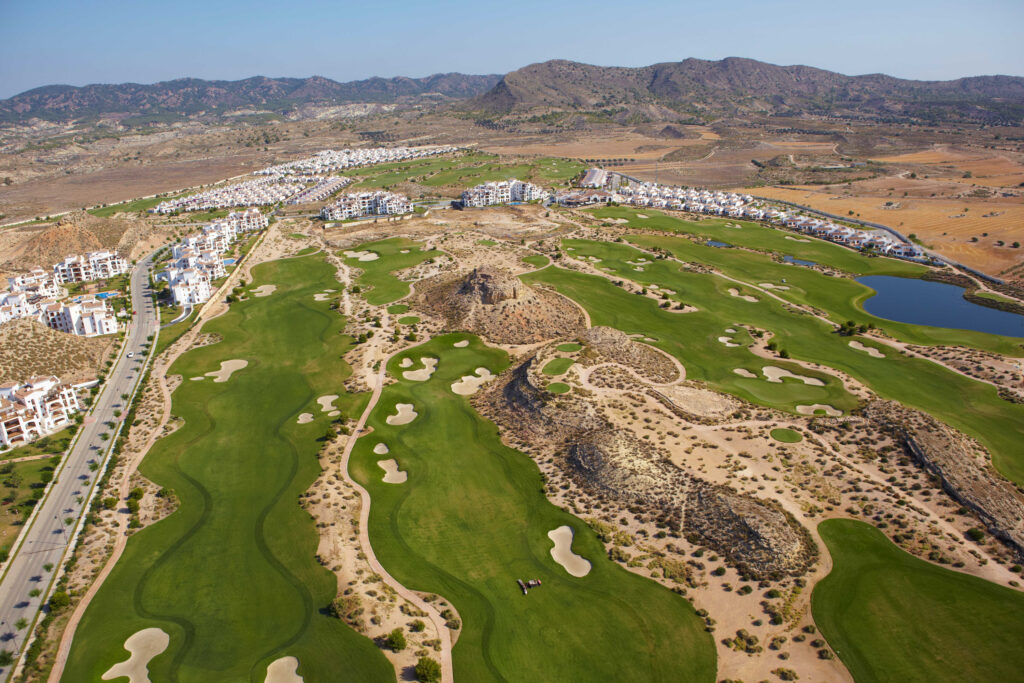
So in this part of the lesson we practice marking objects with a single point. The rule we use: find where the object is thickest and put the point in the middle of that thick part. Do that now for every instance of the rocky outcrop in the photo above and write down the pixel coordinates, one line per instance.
(962, 466)
(616, 465)
(616, 346)
(498, 306)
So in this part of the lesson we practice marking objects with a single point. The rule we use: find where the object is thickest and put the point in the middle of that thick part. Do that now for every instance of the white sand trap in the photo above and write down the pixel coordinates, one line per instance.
(594, 259)
(638, 269)
(321, 297)
(392, 475)
(870, 350)
(327, 402)
(727, 341)
(731, 330)
(381, 448)
(143, 646)
(404, 416)
(562, 552)
(405, 363)
(775, 374)
(363, 255)
(811, 409)
(334, 413)
(796, 239)
(461, 344)
(743, 372)
(283, 670)
(264, 290)
(746, 297)
(423, 374)
(768, 285)
(470, 384)
(227, 368)
(405, 251)
(305, 418)
(639, 215)
(197, 379)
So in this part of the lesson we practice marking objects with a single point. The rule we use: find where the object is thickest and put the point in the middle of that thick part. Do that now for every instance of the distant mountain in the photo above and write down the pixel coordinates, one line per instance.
(190, 96)
(695, 88)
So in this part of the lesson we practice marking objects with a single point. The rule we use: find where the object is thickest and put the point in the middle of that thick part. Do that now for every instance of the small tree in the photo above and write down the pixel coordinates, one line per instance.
(428, 670)
(396, 640)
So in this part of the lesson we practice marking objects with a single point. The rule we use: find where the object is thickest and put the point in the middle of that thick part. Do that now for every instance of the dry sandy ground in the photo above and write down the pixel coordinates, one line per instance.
(608, 146)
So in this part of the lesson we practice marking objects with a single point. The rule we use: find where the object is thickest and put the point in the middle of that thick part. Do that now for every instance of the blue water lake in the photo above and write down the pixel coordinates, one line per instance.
(798, 261)
(936, 304)
(720, 245)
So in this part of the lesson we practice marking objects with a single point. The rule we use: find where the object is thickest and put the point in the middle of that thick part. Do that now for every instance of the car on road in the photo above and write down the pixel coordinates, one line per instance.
(131, 353)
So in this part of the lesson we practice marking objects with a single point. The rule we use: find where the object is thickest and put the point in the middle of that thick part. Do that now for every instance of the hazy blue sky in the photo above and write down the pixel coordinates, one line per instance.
(95, 41)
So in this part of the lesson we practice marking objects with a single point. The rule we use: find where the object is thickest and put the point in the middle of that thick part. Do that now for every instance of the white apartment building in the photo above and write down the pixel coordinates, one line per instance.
(512, 190)
(258, 192)
(366, 204)
(329, 161)
(29, 410)
(189, 286)
(89, 317)
(15, 305)
(323, 189)
(96, 265)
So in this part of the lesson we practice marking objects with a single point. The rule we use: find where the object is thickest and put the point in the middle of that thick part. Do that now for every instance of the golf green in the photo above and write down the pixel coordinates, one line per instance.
(892, 617)
(559, 388)
(232, 574)
(557, 366)
(786, 435)
(570, 347)
(473, 517)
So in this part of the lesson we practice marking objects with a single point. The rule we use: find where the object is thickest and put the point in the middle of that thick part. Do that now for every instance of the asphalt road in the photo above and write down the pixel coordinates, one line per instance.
(46, 539)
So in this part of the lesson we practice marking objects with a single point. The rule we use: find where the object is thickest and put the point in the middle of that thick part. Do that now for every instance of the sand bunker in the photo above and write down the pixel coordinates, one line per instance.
(363, 255)
(227, 367)
(727, 341)
(796, 239)
(283, 670)
(264, 290)
(321, 297)
(405, 363)
(811, 409)
(743, 372)
(197, 379)
(768, 285)
(405, 251)
(423, 374)
(470, 384)
(305, 418)
(641, 215)
(775, 374)
(746, 297)
(327, 402)
(392, 475)
(334, 413)
(404, 416)
(870, 350)
(381, 448)
(143, 646)
(461, 344)
(562, 552)
(731, 330)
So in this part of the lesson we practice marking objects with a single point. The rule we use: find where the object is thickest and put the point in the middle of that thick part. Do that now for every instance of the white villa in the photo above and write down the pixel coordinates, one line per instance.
(329, 161)
(96, 265)
(29, 410)
(366, 204)
(512, 190)
(88, 317)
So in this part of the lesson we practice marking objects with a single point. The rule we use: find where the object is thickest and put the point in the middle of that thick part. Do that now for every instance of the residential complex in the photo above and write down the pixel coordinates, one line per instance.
(87, 317)
(196, 261)
(366, 204)
(29, 410)
(96, 265)
(329, 161)
(595, 177)
(858, 239)
(256, 192)
(504, 192)
(321, 190)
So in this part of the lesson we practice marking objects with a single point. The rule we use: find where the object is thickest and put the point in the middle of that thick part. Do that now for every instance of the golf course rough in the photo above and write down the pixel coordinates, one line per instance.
(430, 534)
(231, 575)
(890, 616)
(380, 285)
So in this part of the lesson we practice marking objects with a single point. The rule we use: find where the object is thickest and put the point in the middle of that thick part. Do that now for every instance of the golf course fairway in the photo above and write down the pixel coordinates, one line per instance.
(892, 617)
(472, 518)
(231, 575)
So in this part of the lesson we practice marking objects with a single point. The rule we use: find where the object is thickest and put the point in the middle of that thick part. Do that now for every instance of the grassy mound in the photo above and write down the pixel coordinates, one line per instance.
(892, 617)
(409, 320)
(571, 347)
(397, 309)
(231, 575)
(786, 435)
(557, 366)
(558, 388)
(430, 534)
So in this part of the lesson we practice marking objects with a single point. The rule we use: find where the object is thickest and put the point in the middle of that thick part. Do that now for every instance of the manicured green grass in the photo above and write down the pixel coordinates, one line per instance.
(168, 335)
(569, 347)
(536, 260)
(128, 207)
(995, 297)
(692, 338)
(763, 238)
(892, 617)
(386, 175)
(409, 320)
(21, 485)
(487, 243)
(396, 309)
(558, 388)
(786, 435)
(430, 534)
(557, 366)
(231, 575)
(55, 443)
(379, 285)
